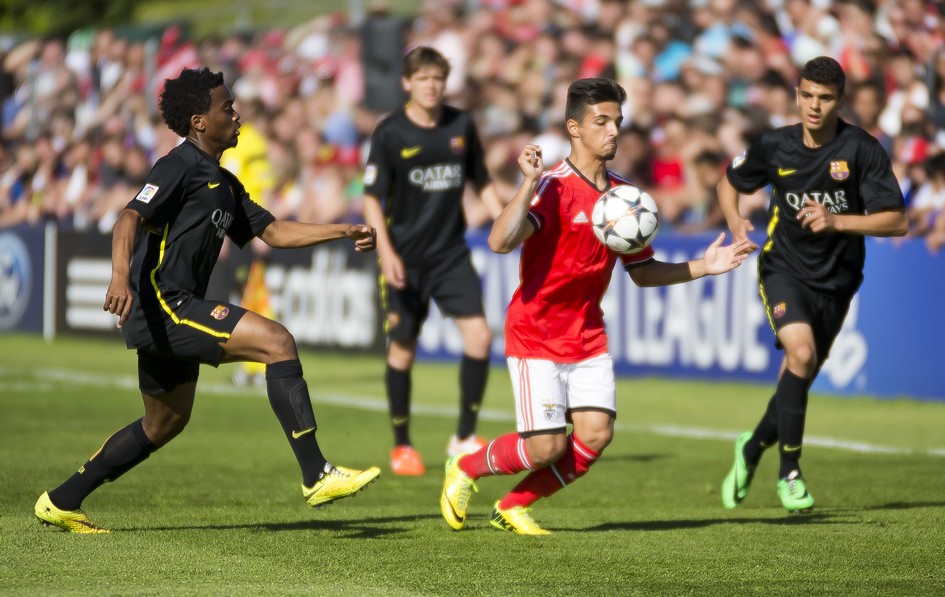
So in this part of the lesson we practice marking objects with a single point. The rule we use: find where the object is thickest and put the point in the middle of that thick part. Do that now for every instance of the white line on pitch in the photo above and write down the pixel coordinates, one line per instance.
(375, 404)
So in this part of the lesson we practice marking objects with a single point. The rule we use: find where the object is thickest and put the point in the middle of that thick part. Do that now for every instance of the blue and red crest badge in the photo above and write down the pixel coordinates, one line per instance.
(839, 170)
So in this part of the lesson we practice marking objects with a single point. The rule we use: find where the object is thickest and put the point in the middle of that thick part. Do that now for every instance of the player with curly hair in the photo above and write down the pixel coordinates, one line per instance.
(164, 246)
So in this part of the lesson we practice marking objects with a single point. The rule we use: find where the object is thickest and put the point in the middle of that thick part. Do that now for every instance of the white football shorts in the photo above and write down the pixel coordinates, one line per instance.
(545, 392)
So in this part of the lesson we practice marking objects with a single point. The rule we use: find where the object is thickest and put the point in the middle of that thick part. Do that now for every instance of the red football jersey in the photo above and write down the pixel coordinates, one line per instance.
(555, 313)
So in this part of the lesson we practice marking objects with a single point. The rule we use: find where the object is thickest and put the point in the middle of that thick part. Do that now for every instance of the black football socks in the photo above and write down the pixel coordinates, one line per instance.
(398, 398)
(125, 449)
(764, 435)
(473, 374)
(791, 397)
(290, 400)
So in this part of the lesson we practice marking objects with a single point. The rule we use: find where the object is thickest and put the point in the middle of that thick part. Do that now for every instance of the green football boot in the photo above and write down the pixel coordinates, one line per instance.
(793, 493)
(735, 486)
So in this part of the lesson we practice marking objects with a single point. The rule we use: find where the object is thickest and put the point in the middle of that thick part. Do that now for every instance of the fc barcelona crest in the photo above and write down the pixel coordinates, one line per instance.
(219, 312)
(457, 144)
(839, 170)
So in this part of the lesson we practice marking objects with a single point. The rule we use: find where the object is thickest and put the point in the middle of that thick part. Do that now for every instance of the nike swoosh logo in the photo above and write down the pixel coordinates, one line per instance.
(455, 514)
(783, 172)
(409, 152)
(789, 448)
(298, 434)
(213, 185)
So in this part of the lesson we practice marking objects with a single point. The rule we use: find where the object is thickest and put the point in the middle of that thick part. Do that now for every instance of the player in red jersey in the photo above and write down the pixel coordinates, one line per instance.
(555, 339)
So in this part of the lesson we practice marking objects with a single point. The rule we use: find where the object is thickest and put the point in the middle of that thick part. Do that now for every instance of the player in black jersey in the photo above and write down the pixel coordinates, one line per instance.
(164, 246)
(420, 161)
(832, 184)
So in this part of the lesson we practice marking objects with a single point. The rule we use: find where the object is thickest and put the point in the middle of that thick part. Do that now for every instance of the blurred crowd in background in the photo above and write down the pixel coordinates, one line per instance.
(80, 129)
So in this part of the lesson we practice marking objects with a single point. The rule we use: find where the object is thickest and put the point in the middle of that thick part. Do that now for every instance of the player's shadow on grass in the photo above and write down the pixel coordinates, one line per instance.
(892, 506)
(358, 528)
(676, 525)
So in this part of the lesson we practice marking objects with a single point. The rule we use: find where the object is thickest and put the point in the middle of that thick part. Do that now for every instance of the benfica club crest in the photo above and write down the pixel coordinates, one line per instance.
(839, 170)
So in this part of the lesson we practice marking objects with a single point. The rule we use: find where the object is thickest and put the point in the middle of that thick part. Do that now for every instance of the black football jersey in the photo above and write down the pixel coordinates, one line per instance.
(420, 174)
(189, 204)
(849, 175)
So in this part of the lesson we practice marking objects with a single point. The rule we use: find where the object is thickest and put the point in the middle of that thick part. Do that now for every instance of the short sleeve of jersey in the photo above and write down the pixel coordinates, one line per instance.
(747, 172)
(250, 217)
(476, 171)
(160, 197)
(378, 172)
(878, 185)
(545, 203)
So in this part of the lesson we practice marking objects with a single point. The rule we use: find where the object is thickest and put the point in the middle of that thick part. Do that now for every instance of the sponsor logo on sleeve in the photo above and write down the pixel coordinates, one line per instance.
(147, 193)
(370, 174)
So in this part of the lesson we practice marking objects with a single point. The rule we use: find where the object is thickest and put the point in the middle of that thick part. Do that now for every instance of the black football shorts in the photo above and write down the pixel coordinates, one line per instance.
(177, 345)
(454, 285)
(788, 300)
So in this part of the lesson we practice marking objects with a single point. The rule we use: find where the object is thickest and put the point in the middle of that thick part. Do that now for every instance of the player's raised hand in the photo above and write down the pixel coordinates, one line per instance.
(118, 298)
(365, 237)
(719, 259)
(530, 162)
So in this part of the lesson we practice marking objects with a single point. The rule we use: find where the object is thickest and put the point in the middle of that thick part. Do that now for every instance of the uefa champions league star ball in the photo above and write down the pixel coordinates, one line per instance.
(625, 219)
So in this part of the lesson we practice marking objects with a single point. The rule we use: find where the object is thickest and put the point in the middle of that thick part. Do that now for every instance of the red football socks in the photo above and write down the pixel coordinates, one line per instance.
(505, 455)
(574, 463)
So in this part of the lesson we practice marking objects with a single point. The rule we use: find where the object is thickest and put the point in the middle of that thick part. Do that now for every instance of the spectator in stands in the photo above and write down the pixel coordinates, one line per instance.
(928, 204)
(700, 62)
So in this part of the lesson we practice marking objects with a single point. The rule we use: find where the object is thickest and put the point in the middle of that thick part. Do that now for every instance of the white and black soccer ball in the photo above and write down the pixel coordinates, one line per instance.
(625, 219)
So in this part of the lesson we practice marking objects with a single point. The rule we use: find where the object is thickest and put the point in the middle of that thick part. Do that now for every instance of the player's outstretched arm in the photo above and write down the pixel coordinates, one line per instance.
(716, 260)
(286, 234)
(118, 296)
(883, 223)
(512, 227)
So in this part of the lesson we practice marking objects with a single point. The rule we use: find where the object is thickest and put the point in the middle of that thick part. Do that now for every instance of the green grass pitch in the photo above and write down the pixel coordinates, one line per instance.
(219, 511)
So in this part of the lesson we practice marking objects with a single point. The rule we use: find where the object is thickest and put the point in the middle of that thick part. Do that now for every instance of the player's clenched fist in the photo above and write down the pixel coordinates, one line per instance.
(365, 237)
(530, 162)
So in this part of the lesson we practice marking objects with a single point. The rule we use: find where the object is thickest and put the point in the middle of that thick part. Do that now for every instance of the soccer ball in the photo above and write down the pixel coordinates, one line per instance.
(625, 219)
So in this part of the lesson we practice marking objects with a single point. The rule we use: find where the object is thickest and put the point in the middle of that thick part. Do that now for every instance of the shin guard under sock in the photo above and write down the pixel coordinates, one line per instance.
(125, 449)
(571, 466)
(290, 401)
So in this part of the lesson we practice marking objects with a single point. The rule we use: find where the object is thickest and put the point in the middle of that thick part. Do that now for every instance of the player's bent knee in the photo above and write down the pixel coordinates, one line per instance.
(597, 440)
(802, 360)
(282, 345)
(546, 449)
